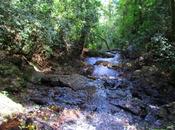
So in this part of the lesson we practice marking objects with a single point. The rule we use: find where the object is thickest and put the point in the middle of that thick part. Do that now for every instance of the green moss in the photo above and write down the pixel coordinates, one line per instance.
(9, 69)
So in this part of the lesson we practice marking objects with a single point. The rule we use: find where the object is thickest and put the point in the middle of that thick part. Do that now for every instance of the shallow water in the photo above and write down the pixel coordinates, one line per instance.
(98, 113)
(115, 60)
(110, 106)
(101, 71)
(104, 72)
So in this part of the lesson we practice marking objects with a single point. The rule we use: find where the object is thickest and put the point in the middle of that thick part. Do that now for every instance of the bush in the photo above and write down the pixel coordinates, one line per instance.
(164, 50)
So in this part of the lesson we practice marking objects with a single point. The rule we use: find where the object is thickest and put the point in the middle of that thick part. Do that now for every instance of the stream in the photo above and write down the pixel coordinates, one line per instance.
(99, 113)
(107, 103)
(101, 71)
(111, 106)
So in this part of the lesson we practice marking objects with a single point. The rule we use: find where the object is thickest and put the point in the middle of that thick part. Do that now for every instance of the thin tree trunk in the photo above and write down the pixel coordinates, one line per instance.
(105, 41)
(79, 45)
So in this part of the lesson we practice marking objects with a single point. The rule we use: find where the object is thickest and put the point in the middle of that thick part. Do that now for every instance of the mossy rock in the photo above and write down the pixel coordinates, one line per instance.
(12, 84)
(7, 70)
(11, 78)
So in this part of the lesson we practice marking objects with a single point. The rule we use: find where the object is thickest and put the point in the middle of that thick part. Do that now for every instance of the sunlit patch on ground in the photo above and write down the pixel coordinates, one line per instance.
(76, 119)
(8, 106)
(81, 120)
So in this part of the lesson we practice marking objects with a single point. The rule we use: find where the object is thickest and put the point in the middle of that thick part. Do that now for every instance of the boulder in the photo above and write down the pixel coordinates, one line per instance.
(40, 100)
(87, 69)
(104, 63)
(167, 112)
(73, 81)
(118, 94)
(134, 106)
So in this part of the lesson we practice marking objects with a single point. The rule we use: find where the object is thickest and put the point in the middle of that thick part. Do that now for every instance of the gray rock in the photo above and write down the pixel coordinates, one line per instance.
(168, 111)
(134, 106)
(116, 94)
(74, 81)
(39, 100)
(104, 63)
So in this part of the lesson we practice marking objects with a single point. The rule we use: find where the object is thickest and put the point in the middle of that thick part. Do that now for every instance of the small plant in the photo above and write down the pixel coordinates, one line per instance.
(5, 93)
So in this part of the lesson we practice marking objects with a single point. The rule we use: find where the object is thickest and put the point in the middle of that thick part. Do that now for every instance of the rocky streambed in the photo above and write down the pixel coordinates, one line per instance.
(110, 96)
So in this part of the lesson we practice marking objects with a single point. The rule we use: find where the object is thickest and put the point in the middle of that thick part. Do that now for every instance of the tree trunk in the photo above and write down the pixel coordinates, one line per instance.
(78, 47)
(105, 41)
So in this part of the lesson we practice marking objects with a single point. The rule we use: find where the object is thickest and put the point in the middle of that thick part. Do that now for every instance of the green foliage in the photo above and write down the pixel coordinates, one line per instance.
(105, 31)
(164, 49)
(32, 24)
(139, 20)
(147, 25)
(46, 25)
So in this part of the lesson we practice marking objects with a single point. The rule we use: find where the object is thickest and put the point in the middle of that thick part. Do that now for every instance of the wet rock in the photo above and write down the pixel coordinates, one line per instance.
(136, 74)
(116, 94)
(131, 52)
(74, 81)
(171, 107)
(35, 77)
(90, 108)
(39, 100)
(110, 84)
(111, 126)
(149, 70)
(145, 71)
(163, 113)
(69, 97)
(153, 89)
(87, 69)
(104, 63)
(134, 106)
(168, 111)
(70, 100)
(123, 84)
(114, 109)
(117, 66)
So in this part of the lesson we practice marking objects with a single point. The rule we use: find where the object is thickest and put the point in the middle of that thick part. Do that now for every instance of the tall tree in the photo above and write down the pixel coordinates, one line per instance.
(89, 16)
